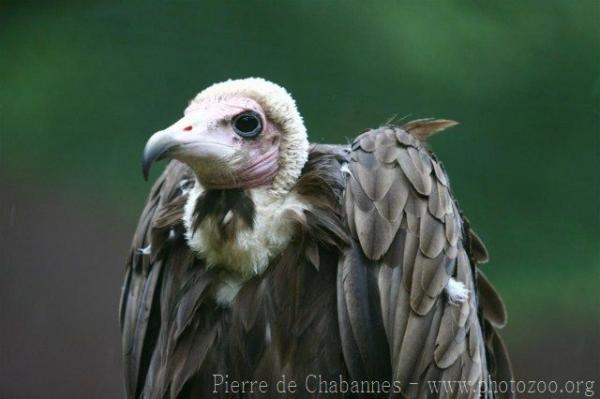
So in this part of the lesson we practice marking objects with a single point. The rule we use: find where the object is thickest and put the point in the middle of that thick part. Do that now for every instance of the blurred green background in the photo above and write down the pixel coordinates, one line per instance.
(84, 84)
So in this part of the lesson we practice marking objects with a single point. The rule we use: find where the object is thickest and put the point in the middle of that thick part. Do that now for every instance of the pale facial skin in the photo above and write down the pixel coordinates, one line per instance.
(209, 139)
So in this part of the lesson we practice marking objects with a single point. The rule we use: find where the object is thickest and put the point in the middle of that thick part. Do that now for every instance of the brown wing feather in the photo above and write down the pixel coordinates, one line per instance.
(410, 242)
(140, 312)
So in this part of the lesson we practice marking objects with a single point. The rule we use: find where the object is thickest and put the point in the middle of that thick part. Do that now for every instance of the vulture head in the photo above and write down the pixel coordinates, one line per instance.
(238, 134)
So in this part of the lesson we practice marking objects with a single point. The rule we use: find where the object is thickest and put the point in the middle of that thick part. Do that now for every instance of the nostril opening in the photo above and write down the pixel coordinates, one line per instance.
(187, 128)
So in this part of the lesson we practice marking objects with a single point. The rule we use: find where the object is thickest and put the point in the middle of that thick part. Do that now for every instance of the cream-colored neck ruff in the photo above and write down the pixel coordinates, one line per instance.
(250, 251)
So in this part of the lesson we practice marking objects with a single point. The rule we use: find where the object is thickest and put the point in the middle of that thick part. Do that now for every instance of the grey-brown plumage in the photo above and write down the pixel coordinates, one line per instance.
(358, 294)
(413, 239)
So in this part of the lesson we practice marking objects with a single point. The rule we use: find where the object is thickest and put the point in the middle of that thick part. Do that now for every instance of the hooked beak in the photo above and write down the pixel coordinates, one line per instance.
(157, 148)
(187, 147)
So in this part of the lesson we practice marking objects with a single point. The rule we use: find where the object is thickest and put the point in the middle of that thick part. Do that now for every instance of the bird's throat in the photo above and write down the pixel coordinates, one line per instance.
(231, 211)
(240, 231)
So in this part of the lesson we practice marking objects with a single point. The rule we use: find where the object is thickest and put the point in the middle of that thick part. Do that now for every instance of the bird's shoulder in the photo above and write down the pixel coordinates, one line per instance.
(395, 183)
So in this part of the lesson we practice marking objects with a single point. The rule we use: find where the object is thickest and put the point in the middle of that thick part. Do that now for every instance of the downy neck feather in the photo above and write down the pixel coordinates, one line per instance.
(248, 251)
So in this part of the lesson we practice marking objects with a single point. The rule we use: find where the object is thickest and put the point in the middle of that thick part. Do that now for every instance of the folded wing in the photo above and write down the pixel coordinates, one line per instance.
(410, 241)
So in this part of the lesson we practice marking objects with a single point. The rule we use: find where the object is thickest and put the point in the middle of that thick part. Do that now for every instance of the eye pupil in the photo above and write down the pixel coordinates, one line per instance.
(247, 125)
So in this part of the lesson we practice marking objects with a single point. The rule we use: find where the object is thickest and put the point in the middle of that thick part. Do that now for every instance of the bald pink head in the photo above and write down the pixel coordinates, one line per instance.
(228, 141)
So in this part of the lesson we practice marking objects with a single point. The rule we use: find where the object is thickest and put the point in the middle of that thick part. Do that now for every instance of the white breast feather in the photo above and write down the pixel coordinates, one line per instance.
(251, 250)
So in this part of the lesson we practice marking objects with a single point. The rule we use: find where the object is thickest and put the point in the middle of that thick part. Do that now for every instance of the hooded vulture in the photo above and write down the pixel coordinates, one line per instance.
(263, 265)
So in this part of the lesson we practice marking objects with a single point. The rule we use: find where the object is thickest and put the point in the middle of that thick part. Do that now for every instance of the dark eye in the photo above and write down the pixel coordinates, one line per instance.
(247, 124)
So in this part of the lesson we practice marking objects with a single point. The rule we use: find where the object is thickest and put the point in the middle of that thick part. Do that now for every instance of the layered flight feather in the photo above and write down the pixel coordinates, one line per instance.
(410, 240)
